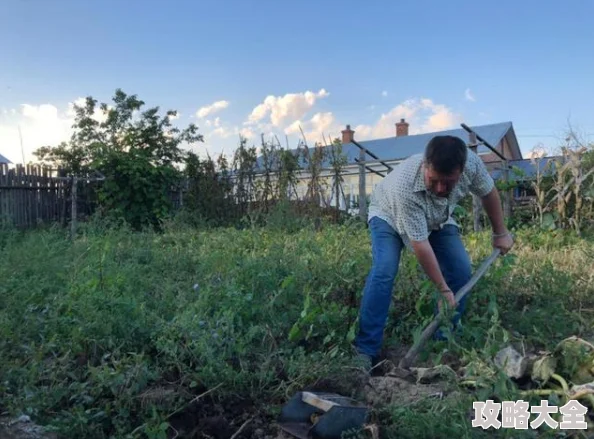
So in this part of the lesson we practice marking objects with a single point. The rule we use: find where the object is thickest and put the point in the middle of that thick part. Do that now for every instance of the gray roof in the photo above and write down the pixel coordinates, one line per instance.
(405, 146)
(396, 148)
(528, 168)
(4, 160)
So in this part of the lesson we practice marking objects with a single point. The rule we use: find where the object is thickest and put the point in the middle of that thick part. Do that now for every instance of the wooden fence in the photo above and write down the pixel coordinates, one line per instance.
(33, 195)
(30, 195)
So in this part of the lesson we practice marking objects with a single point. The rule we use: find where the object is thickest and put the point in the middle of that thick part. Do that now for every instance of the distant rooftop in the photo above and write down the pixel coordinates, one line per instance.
(399, 147)
(529, 168)
(5, 160)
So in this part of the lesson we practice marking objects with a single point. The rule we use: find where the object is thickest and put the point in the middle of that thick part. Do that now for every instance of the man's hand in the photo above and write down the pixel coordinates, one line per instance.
(503, 243)
(447, 296)
(428, 261)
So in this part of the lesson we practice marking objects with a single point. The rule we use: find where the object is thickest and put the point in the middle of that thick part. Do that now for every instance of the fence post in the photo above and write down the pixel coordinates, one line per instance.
(476, 202)
(73, 205)
(362, 194)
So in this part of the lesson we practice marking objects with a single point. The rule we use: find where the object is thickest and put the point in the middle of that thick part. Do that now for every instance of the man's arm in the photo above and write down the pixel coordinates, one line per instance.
(415, 226)
(426, 257)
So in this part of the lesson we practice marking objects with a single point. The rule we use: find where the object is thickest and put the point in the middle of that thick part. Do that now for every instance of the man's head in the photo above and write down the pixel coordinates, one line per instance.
(445, 158)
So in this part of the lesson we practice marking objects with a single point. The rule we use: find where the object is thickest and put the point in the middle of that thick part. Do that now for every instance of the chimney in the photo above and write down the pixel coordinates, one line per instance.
(402, 128)
(347, 135)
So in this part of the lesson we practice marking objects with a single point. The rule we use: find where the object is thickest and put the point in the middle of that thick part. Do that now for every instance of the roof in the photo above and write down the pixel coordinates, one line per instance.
(528, 168)
(401, 147)
(404, 146)
(4, 160)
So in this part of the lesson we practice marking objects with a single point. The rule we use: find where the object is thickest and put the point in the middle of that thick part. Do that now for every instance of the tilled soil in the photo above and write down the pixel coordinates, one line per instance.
(242, 419)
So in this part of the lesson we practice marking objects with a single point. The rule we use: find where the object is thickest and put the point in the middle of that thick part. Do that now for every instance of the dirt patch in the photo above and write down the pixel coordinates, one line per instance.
(222, 419)
(394, 390)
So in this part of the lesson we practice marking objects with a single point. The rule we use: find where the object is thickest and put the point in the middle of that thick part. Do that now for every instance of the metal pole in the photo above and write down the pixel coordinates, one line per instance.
(362, 194)
(73, 208)
(476, 202)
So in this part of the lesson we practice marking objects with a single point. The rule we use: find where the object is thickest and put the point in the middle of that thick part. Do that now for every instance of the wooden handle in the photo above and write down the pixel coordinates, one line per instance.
(432, 327)
(316, 401)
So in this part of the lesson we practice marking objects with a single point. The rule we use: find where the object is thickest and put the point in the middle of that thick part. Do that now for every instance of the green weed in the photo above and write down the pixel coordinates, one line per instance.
(118, 333)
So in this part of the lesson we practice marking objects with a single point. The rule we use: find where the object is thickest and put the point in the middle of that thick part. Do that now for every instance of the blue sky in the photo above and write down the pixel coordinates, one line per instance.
(271, 66)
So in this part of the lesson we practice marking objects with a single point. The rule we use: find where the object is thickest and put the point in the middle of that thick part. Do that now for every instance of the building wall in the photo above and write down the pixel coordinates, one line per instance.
(504, 148)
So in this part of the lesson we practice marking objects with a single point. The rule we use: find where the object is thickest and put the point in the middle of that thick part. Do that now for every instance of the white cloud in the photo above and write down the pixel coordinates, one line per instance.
(281, 109)
(247, 133)
(423, 115)
(40, 125)
(211, 109)
(225, 132)
(322, 126)
(469, 96)
(213, 123)
(98, 115)
(536, 152)
(384, 93)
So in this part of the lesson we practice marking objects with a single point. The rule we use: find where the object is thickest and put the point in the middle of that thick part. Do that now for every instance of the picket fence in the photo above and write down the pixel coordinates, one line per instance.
(32, 195)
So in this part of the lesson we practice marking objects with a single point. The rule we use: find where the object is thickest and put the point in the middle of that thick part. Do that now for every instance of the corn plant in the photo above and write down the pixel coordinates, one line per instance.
(244, 162)
(287, 179)
(264, 186)
(314, 160)
(537, 185)
(338, 161)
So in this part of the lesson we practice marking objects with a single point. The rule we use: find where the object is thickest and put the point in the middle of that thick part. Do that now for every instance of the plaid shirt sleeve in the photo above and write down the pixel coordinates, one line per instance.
(481, 182)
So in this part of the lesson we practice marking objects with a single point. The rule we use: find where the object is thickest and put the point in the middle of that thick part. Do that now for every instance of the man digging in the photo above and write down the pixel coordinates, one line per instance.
(412, 208)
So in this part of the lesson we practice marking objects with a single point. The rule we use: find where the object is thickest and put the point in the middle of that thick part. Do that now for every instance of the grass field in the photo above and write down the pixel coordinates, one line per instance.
(122, 334)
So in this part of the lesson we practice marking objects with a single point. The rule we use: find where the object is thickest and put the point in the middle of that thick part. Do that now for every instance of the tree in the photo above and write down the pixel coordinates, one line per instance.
(137, 151)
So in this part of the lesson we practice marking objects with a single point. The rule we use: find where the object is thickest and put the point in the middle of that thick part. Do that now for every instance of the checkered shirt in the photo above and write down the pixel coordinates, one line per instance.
(403, 201)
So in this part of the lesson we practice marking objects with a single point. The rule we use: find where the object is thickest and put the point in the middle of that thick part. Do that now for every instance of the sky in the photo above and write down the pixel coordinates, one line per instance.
(235, 67)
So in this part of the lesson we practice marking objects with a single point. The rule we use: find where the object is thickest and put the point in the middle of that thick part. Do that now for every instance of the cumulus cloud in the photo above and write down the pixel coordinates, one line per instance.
(322, 126)
(39, 125)
(282, 109)
(211, 109)
(538, 151)
(469, 96)
(216, 122)
(422, 114)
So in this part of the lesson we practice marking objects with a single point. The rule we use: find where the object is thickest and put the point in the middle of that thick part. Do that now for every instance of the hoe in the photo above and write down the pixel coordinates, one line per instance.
(315, 415)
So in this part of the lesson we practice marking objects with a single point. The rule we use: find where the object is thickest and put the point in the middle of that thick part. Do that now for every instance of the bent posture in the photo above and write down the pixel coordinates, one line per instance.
(412, 208)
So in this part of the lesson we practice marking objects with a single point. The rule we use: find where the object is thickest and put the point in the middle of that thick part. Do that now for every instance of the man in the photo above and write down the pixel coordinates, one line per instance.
(411, 208)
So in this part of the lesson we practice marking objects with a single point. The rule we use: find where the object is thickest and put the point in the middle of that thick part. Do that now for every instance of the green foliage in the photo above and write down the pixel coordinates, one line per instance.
(136, 150)
(117, 332)
(209, 197)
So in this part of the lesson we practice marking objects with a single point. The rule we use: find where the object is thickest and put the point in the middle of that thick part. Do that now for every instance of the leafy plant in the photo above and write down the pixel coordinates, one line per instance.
(136, 150)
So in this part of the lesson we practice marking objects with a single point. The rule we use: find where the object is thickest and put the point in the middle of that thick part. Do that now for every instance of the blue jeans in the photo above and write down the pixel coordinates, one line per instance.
(387, 246)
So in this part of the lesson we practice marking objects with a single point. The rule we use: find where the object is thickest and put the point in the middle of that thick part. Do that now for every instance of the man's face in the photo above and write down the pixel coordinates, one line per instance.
(439, 184)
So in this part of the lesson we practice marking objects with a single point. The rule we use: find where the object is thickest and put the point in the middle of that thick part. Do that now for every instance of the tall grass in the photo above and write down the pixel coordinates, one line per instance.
(118, 332)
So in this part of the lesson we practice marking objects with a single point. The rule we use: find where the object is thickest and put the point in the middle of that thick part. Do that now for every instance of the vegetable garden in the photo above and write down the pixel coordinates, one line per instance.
(202, 323)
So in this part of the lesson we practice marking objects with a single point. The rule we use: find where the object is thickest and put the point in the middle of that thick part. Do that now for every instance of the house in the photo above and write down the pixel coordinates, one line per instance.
(4, 160)
(393, 149)
(389, 151)
(384, 154)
